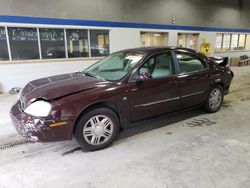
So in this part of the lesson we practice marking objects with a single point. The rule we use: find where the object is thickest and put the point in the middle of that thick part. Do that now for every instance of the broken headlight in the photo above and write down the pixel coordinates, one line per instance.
(40, 108)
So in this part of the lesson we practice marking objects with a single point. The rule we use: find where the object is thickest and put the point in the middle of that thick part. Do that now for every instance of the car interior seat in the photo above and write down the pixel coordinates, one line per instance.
(162, 66)
(190, 65)
(148, 66)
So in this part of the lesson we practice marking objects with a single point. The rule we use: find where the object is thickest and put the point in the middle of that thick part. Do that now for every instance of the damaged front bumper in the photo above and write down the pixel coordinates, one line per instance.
(39, 128)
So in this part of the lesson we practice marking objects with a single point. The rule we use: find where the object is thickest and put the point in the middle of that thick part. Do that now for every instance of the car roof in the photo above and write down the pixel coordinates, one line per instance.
(153, 49)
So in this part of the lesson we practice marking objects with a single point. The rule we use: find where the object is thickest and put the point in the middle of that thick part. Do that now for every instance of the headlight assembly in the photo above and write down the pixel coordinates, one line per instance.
(40, 108)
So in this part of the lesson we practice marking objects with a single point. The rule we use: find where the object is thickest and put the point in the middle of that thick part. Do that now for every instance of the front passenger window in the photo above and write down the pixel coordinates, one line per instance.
(189, 62)
(158, 66)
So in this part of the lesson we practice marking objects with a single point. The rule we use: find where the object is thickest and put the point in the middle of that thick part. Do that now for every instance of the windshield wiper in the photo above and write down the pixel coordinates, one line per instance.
(89, 74)
(93, 75)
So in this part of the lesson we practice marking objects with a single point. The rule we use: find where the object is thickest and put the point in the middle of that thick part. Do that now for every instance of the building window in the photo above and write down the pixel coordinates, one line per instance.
(78, 43)
(23, 43)
(99, 42)
(3, 45)
(234, 42)
(242, 42)
(52, 43)
(230, 42)
(218, 42)
(153, 39)
(226, 42)
(247, 42)
(188, 40)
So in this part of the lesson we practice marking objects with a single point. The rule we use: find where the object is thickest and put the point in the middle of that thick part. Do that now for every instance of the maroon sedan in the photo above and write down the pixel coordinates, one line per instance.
(124, 87)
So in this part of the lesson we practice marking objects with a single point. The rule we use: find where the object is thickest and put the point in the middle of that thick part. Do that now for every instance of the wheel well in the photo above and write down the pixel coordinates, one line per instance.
(220, 84)
(99, 105)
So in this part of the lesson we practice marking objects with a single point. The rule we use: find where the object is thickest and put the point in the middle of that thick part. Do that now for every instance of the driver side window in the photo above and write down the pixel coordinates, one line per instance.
(158, 66)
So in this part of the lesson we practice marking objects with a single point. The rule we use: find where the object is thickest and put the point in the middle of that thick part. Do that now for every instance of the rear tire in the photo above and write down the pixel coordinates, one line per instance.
(214, 99)
(97, 129)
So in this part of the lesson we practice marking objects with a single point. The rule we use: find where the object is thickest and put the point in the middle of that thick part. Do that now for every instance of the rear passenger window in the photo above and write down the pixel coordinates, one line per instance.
(189, 62)
(158, 66)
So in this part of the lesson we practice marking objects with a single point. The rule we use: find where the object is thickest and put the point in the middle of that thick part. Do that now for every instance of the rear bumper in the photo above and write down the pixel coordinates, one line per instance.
(37, 128)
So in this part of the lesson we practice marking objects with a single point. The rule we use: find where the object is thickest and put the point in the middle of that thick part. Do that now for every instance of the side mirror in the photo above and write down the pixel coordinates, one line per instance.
(144, 76)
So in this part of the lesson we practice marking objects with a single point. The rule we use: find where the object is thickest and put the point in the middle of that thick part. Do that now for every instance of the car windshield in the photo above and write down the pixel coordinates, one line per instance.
(115, 66)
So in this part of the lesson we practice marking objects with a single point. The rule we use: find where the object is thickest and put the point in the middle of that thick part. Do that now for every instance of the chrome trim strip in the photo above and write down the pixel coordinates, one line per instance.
(156, 102)
(32, 84)
(184, 96)
(191, 72)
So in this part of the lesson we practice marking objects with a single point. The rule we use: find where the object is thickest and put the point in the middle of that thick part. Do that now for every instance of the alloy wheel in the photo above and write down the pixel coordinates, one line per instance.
(215, 98)
(98, 130)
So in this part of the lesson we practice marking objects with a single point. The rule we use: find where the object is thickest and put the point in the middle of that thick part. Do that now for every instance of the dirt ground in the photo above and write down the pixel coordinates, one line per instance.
(191, 149)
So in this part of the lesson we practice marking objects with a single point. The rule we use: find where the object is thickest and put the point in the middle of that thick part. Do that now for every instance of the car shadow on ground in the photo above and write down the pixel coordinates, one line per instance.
(148, 125)
(158, 122)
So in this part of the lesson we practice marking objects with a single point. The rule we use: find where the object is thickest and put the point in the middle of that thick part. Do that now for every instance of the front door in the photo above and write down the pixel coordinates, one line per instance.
(158, 94)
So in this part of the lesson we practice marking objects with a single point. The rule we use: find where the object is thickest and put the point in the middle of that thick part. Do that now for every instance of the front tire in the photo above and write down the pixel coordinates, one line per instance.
(214, 99)
(97, 129)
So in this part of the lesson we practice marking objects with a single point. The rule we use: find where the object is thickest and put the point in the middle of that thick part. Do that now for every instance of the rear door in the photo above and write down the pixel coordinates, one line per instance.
(156, 95)
(194, 78)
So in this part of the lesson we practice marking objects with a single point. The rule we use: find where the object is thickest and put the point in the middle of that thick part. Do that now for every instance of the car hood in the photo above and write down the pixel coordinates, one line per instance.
(58, 86)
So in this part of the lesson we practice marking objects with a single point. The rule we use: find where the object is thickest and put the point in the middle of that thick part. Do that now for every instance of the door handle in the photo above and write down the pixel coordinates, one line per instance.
(134, 89)
(182, 76)
(194, 78)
